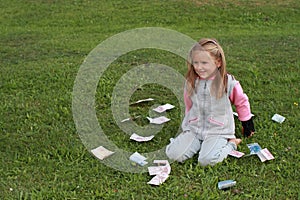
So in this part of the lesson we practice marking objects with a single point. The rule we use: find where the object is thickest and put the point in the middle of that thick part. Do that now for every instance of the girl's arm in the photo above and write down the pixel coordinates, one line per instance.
(241, 102)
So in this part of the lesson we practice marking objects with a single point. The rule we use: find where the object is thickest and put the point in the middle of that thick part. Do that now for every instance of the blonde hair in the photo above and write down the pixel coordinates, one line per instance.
(219, 84)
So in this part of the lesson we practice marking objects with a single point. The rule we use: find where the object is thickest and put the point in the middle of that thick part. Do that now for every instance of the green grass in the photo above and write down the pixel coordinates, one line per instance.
(43, 44)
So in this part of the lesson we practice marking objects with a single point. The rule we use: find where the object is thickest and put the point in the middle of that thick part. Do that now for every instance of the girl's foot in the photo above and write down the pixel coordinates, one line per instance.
(236, 141)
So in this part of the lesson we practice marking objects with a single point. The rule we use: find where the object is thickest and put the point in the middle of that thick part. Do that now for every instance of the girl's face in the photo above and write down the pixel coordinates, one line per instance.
(204, 64)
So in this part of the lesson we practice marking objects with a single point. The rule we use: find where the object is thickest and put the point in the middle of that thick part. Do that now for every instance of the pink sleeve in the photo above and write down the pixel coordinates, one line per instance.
(187, 101)
(241, 102)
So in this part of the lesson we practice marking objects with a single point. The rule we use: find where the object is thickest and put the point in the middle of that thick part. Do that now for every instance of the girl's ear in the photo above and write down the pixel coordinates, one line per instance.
(219, 63)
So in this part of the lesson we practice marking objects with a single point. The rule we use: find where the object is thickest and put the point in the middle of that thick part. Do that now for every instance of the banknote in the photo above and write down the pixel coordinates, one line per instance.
(265, 155)
(138, 158)
(278, 118)
(143, 100)
(254, 148)
(158, 179)
(161, 170)
(158, 120)
(139, 138)
(226, 184)
(163, 108)
(101, 152)
(236, 154)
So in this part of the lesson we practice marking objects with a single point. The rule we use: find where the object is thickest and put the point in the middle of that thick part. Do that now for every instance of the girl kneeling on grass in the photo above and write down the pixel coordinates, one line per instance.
(208, 126)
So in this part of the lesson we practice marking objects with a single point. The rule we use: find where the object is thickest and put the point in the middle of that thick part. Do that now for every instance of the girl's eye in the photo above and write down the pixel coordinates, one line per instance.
(197, 63)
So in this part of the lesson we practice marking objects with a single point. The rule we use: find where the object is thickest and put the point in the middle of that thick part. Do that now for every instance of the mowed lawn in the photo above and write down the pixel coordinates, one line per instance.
(44, 43)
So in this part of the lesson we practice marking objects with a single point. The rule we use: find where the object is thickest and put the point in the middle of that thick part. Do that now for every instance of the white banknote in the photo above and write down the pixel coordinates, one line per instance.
(163, 108)
(101, 152)
(161, 170)
(278, 118)
(143, 100)
(139, 138)
(265, 155)
(138, 158)
(236, 154)
(158, 120)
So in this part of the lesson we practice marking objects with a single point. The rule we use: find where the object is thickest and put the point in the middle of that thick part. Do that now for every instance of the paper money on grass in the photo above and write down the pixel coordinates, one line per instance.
(265, 155)
(163, 108)
(161, 170)
(101, 152)
(139, 138)
(158, 120)
(278, 118)
(236, 154)
(138, 158)
(142, 100)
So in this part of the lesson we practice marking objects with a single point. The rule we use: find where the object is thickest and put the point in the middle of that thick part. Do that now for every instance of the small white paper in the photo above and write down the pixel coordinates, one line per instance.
(278, 118)
(154, 170)
(138, 158)
(161, 172)
(143, 100)
(163, 166)
(163, 108)
(158, 120)
(261, 156)
(236, 154)
(226, 184)
(139, 138)
(265, 154)
(101, 152)
(125, 120)
(158, 179)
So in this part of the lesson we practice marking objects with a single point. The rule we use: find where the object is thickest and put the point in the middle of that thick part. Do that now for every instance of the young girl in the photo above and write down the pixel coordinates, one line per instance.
(208, 126)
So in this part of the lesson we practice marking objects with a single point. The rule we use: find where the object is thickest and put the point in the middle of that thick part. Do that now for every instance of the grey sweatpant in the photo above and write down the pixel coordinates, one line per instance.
(211, 150)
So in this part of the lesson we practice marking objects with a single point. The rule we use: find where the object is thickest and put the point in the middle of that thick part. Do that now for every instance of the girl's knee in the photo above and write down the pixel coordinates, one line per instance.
(183, 147)
(205, 161)
(174, 155)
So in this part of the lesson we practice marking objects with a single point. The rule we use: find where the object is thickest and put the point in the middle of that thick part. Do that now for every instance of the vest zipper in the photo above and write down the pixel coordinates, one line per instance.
(204, 113)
